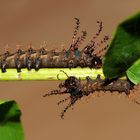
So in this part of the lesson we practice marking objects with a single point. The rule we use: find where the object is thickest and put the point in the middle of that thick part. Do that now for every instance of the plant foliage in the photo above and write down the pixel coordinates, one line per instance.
(124, 51)
(10, 125)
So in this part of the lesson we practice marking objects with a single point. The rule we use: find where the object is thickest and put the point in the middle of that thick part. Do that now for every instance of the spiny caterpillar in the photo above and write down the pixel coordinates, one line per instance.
(77, 90)
(70, 58)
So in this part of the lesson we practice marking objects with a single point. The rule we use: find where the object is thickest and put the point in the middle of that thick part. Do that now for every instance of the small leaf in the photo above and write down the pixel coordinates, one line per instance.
(10, 125)
(133, 72)
(1, 102)
(124, 49)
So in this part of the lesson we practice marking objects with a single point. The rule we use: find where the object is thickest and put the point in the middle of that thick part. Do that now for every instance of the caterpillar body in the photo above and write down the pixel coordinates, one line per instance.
(76, 90)
(67, 58)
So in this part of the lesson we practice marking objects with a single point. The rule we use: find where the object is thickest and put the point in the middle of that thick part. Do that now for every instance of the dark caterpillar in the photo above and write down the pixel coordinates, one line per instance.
(77, 90)
(70, 58)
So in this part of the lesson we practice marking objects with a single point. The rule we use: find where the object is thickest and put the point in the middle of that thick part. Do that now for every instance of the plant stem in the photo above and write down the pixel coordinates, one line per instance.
(49, 74)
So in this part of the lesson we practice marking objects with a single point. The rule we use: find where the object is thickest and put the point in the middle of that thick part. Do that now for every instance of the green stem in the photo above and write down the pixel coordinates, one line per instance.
(49, 74)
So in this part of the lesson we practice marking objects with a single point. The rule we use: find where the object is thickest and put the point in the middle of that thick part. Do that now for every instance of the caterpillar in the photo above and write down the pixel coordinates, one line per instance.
(76, 90)
(66, 58)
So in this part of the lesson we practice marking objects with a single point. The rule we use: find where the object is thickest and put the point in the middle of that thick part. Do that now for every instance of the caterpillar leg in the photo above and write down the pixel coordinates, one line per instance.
(37, 66)
(18, 68)
(55, 92)
(3, 67)
(73, 100)
(37, 63)
(18, 65)
(62, 101)
(29, 66)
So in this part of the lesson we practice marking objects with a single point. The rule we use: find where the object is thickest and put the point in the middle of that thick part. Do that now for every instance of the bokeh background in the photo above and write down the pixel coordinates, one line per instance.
(29, 21)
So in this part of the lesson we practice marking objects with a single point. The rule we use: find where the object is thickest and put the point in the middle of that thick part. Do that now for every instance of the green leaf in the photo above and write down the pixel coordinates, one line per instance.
(133, 73)
(124, 49)
(10, 125)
